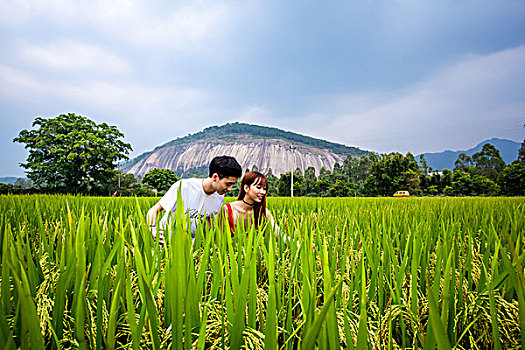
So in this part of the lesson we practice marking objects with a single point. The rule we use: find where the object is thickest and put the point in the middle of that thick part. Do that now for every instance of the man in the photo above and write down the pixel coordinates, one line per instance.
(202, 198)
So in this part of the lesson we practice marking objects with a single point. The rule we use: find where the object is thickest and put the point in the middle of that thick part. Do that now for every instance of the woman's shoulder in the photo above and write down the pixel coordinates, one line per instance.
(232, 206)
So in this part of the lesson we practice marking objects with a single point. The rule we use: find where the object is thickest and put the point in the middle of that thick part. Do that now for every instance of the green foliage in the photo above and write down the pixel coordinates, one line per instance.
(310, 181)
(71, 153)
(357, 169)
(512, 179)
(463, 163)
(160, 179)
(341, 189)
(284, 184)
(488, 161)
(272, 183)
(24, 183)
(124, 185)
(521, 154)
(393, 172)
(379, 273)
(5, 188)
(465, 184)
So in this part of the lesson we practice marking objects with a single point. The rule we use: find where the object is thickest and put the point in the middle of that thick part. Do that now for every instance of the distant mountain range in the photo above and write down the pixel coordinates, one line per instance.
(445, 160)
(8, 180)
(252, 145)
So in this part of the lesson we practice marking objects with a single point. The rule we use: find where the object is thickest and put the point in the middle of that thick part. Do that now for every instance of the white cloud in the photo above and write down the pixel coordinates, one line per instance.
(477, 98)
(69, 55)
(136, 104)
(190, 26)
(254, 114)
(148, 115)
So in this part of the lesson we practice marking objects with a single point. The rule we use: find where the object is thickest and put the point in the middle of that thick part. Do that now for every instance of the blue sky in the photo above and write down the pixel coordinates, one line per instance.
(405, 75)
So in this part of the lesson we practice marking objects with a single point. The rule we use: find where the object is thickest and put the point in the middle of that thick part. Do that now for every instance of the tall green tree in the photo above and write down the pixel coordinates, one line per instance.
(283, 185)
(392, 172)
(488, 161)
(466, 184)
(341, 188)
(272, 183)
(521, 153)
(310, 179)
(357, 170)
(512, 179)
(124, 185)
(160, 179)
(463, 162)
(71, 153)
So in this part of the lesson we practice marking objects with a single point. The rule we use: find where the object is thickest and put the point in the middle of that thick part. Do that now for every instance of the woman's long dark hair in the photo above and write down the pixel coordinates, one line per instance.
(255, 177)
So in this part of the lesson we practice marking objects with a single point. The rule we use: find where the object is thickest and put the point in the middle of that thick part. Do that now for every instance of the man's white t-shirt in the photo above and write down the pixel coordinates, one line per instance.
(197, 203)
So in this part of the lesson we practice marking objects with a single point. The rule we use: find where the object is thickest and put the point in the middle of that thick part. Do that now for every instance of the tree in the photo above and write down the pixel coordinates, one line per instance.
(283, 184)
(124, 185)
(521, 153)
(6, 188)
(466, 184)
(310, 180)
(71, 153)
(463, 163)
(424, 164)
(24, 183)
(512, 179)
(341, 189)
(392, 172)
(488, 161)
(357, 170)
(160, 179)
(272, 183)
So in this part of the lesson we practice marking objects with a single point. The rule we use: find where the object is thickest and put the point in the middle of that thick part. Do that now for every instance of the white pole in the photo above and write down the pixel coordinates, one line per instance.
(293, 167)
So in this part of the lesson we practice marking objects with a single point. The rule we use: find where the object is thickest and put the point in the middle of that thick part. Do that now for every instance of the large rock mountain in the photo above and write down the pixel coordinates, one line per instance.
(252, 145)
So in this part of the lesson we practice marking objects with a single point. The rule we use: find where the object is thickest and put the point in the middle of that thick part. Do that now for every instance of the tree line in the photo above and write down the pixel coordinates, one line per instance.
(483, 174)
(73, 154)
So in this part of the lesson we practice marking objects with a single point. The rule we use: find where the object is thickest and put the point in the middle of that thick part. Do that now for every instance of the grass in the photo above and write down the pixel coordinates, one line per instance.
(381, 273)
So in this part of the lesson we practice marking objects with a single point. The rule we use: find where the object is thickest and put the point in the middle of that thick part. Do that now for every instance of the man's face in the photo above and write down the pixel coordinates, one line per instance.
(225, 184)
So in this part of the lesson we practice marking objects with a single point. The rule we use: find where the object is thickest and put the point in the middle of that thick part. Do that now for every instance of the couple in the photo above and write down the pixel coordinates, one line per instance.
(203, 198)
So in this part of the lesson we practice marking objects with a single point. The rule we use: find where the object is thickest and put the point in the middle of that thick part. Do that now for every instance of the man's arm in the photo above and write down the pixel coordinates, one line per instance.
(153, 213)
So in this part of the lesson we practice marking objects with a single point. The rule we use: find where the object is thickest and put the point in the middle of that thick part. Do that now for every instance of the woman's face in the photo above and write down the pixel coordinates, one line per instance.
(256, 192)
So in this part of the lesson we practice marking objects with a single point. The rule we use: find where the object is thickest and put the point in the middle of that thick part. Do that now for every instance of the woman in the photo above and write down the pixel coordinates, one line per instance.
(250, 206)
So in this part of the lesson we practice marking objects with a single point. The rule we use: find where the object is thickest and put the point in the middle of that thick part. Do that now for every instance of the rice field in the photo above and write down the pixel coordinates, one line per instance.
(355, 273)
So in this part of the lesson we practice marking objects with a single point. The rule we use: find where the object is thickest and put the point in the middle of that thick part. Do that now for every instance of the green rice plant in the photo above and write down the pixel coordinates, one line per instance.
(84, 272)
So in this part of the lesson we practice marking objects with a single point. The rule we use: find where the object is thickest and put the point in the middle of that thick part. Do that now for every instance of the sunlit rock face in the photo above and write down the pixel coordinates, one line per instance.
(274, 154)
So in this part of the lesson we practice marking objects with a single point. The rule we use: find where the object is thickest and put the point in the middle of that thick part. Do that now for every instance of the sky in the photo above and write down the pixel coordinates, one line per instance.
(382, 75)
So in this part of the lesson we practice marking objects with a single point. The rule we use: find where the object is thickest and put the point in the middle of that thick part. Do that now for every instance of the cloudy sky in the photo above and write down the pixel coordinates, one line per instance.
(383, 75)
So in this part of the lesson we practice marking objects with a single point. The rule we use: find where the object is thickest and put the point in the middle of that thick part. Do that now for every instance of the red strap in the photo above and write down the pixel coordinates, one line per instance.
(230, 217)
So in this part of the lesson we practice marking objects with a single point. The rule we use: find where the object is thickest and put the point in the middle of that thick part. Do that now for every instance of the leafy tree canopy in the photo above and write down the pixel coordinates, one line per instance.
(160, 179)
(521, 153)
(489, 161)
(71, 153)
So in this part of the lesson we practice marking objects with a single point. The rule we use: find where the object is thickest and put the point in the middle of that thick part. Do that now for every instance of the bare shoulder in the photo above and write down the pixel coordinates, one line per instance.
(234, 206)
(268, 214)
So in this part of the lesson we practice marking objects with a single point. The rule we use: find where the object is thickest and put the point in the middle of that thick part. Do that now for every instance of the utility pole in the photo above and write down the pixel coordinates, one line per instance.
(118, 171)
(292, 147)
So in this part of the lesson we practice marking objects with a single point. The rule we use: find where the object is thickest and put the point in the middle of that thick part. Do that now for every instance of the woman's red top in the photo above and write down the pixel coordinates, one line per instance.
(230, 217)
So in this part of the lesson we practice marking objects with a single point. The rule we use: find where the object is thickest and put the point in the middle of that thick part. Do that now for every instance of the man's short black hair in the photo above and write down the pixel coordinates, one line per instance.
(225, 166)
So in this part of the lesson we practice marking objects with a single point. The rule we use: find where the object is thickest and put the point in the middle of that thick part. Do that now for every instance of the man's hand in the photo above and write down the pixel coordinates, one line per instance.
(151, 216)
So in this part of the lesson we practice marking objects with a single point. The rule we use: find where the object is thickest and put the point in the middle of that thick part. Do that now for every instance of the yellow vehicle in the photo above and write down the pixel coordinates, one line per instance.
(402, 194)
